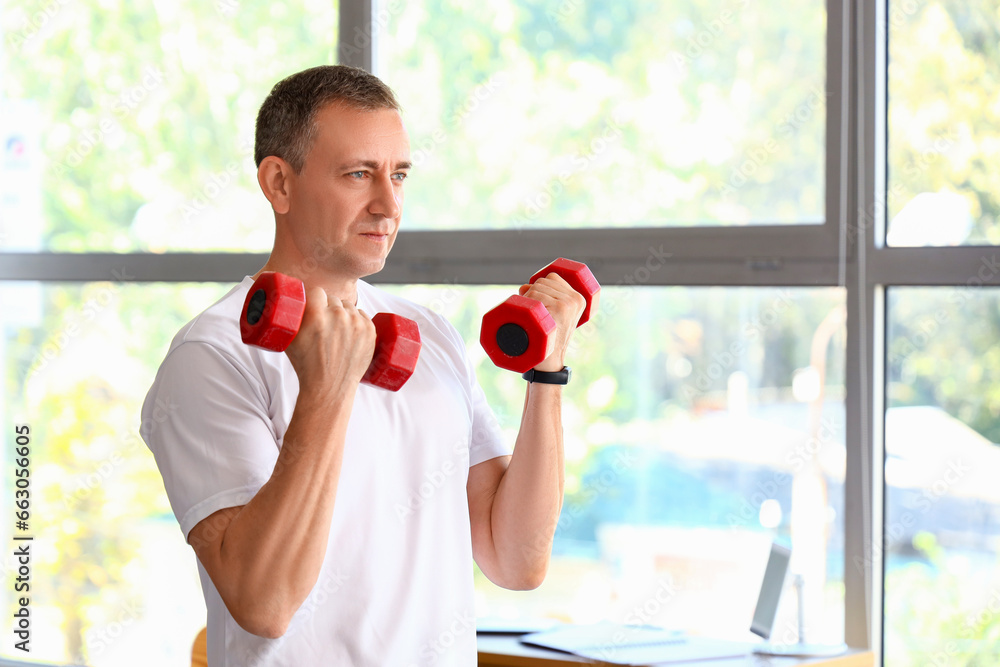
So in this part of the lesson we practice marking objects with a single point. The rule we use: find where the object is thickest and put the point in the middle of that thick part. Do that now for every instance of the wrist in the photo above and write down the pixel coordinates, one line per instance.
(537, 376)
(322, 393)
(550, 365)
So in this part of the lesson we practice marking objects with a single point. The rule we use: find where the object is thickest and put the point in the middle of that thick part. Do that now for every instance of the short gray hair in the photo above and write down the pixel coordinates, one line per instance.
(286, 124)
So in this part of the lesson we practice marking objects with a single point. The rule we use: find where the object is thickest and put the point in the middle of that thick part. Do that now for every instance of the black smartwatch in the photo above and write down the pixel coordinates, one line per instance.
(559, 377)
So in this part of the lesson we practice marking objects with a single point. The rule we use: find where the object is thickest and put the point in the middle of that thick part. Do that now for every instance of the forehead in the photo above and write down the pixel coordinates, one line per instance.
(348, 132)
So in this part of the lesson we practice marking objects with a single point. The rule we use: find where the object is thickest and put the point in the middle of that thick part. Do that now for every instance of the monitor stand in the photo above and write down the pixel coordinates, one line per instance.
(800, 650)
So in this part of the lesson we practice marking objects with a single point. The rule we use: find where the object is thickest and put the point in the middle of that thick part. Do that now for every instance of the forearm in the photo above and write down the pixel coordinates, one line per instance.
(529, 497)
(274, 547)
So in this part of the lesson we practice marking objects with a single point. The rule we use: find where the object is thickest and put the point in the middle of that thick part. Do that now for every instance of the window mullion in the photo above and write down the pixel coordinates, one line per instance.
(356, 44)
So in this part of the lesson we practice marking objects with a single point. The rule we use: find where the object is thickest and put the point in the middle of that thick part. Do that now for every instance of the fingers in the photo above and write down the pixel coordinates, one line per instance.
(352, 319)
(316, 297)
(556, 294)
(334, 345)
(552, 284)
(322, 302)
(565, 306)
(326, 312)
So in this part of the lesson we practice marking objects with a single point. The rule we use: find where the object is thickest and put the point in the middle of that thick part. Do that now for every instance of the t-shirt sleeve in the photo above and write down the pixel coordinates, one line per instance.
(206, 421)
(487, 440)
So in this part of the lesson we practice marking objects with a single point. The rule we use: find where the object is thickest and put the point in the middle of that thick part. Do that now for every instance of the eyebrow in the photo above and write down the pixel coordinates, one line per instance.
(372, 164)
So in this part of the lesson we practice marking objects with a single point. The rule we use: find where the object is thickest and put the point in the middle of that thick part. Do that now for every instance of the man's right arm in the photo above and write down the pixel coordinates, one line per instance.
(264, 557)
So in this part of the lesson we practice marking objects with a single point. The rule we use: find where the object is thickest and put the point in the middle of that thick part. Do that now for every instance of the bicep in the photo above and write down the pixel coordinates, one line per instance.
(206, 539)
(484, 480)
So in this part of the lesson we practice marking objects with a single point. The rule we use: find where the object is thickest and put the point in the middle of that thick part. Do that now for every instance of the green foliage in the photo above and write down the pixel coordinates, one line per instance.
(588, 114)
(79, 378)
(936, 615)
(149, 104)
(943, 350)
(944, 107)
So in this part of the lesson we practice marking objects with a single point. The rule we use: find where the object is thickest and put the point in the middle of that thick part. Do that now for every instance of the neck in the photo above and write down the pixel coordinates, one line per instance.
(345, 289)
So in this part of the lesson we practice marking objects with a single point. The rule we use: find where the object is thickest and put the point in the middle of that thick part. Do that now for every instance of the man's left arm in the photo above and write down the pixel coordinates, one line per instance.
(514, 501)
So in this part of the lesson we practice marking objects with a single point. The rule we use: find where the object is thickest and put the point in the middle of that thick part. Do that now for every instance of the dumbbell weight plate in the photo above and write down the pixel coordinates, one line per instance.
(397, 349)
(515, 334)
(272, 311)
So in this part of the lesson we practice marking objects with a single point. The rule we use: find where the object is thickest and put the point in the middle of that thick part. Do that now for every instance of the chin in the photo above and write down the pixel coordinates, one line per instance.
(371, 268)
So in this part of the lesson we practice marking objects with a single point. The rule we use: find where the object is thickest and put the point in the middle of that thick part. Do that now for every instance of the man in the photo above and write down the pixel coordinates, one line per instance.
(336, 523)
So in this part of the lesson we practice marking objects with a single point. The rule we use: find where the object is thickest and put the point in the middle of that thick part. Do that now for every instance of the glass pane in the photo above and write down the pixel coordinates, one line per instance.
(700, 423)
(526, 114)
(112, 577)
(129, 126)
(942, 505)
(944, 115)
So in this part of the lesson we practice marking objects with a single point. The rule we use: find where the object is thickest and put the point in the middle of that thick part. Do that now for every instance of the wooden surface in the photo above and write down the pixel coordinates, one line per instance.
(199, 650)
(508, 651)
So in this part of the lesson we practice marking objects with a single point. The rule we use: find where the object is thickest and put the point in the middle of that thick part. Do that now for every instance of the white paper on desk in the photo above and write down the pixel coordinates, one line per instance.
(605, 641)
(686, 650)
(504, 626)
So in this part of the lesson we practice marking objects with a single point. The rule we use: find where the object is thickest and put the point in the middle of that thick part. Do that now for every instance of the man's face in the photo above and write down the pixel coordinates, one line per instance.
(346, 203)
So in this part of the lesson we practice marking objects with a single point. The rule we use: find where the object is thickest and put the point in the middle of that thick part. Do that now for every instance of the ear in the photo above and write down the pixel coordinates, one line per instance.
(274, 176)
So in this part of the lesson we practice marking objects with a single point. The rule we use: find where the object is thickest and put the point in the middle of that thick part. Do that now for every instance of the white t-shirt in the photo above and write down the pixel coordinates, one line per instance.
(396, 587)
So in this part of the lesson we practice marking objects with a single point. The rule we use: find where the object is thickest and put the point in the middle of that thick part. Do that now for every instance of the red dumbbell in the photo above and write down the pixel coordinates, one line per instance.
(272, 314)
(517, 334)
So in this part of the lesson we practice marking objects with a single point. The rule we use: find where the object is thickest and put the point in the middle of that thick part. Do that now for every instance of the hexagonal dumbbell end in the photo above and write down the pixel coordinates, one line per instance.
(579, 277)
(397, 348)
(515, 334)
(272, 311)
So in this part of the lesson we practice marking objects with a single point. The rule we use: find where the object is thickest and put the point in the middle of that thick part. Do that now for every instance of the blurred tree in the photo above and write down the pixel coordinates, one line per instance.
(583, 114)
(148, 114)
(934, 614)
(943, 350)
(944, 111)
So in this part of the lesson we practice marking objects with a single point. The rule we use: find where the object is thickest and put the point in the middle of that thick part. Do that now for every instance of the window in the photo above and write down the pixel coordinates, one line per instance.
(748, 155)
(939, 544)
(713, 425)
(112, 577)
(130, 127)
(530, 118)
(573, 114)
(941, 534)
(944, 82)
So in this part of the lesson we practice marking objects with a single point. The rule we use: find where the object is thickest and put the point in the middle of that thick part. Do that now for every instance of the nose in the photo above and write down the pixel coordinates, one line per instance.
(387, 197)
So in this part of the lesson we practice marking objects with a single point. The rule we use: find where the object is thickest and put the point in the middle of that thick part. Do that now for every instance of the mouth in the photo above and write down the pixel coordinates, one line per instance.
(375, 236)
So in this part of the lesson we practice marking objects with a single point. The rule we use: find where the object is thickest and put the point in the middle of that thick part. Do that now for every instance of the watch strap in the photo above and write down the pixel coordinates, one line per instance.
(543, 377)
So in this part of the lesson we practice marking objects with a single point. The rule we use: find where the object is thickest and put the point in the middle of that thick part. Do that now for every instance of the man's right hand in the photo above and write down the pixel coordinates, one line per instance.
(334, 345)
(264, 557)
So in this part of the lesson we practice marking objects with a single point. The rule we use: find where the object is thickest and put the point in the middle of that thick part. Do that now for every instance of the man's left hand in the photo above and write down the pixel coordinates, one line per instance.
(565, 305)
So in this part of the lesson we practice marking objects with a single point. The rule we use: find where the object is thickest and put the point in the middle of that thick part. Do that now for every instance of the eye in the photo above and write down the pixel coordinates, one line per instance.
(401, 176)
(356, 174)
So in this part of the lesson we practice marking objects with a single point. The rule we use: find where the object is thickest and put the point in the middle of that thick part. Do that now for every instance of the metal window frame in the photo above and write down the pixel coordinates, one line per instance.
(846, 250)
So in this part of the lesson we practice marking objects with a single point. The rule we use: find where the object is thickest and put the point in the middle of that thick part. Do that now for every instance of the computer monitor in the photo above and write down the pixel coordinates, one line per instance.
(770, 590)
